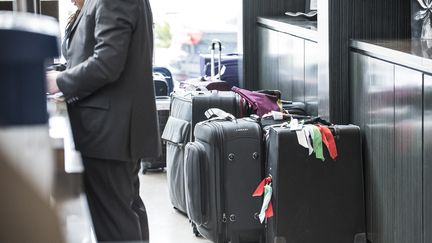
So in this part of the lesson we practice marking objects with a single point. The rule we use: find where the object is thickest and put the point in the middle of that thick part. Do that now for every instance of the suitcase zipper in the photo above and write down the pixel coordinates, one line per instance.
(219, 144)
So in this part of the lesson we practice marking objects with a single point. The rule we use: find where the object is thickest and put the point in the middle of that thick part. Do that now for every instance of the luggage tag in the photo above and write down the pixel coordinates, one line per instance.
(277, 115)
(295, 125)
(299, 129)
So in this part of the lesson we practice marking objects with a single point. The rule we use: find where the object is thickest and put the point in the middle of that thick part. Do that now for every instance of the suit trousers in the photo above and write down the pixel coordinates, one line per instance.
(112, 189)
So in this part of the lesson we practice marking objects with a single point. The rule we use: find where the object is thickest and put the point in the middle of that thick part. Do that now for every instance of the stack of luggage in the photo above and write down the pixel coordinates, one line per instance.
(246, 166)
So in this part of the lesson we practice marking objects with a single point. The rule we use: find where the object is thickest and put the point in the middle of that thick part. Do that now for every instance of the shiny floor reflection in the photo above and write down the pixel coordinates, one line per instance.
(166, 224)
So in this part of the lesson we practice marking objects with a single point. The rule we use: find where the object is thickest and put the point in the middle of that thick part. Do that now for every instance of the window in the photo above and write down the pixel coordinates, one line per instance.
(184, 29)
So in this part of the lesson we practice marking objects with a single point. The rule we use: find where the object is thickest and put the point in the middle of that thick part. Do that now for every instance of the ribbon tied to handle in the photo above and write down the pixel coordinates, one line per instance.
(267, 208)
(328, 140)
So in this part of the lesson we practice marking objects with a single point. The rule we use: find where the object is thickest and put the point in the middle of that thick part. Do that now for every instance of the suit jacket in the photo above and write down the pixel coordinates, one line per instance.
(108, 82)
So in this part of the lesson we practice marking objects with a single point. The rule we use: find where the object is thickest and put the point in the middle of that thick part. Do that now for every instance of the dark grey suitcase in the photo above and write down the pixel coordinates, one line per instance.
(316, 201)
(187, 109)
(158, 164)
(222, 169)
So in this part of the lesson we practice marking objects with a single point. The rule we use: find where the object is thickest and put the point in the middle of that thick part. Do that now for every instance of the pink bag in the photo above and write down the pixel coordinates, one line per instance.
(260, 103)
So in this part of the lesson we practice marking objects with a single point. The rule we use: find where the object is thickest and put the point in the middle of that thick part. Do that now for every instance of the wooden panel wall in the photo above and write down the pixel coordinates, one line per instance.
(291, 67)
(251, 10)
(311, 77)
(288, 63)
(387, 102)
(268, 59)
(408, 155)
(427, 158)
(338, 22)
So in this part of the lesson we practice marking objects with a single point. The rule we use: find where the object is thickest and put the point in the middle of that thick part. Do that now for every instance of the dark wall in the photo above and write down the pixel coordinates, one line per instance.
(391, 104)
(342, 20)
(50, 8)
(6, 5)
(251, 10)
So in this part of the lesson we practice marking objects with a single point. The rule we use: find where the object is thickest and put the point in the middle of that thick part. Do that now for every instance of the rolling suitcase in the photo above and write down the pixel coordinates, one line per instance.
(187, 109)
(158, 164)
(213, 82)
(316, 201)
(222, 167)
(232, 63)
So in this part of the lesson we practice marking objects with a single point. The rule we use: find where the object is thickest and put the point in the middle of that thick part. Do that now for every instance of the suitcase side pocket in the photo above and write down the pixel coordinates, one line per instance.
(176, 131)
(196, 183)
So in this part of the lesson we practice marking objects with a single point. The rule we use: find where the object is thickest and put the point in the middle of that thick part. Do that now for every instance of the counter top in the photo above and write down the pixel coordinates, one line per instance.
(412, 53)
(68, 196)
(300, 27)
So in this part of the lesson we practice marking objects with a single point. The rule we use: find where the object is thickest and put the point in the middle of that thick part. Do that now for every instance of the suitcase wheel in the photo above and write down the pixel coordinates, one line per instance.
(195, 230)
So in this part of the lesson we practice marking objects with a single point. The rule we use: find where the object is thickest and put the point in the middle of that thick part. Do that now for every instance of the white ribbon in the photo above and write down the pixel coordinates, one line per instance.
(301, 138)
(308, 139)
(311, 134)
(267, 197)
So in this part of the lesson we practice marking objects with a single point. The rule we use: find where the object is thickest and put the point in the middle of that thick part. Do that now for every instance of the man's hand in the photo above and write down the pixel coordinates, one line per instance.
(51, 77)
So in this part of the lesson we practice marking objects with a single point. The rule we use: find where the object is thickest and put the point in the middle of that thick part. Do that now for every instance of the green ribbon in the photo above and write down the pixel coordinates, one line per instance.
(317, 143)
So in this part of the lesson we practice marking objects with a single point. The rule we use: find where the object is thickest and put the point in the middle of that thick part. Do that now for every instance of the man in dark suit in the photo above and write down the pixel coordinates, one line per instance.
(109, 89)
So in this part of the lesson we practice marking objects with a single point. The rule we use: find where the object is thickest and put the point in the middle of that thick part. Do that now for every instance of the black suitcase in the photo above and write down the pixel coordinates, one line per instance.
(222, 168)
(160, 85)
(158, 164)
(167, 75)
(294, 107)
(316, 201)
(187, 109)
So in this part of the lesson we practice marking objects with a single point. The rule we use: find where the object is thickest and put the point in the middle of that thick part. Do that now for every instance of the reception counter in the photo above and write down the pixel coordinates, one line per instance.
(411, 53)
(391, 100)
(68, 196)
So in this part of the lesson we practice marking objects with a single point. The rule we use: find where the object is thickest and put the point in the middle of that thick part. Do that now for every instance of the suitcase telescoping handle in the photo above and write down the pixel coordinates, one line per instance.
(212, 60)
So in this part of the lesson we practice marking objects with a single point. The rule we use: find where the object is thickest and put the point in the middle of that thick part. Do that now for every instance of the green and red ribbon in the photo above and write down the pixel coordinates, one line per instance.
(267, 208)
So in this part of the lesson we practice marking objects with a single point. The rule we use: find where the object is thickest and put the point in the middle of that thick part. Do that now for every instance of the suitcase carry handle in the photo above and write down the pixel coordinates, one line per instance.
(217, 76)
(218, 114)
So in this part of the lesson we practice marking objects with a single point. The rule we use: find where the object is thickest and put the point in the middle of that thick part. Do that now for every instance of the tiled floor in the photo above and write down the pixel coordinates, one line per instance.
(166, 224)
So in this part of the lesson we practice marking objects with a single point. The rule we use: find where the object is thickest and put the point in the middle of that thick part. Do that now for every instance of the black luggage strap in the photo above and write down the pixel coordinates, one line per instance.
(316, 120)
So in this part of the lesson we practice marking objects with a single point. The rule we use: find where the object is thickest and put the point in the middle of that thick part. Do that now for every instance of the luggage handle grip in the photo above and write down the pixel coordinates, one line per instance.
(218, 114)
(212, 61)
